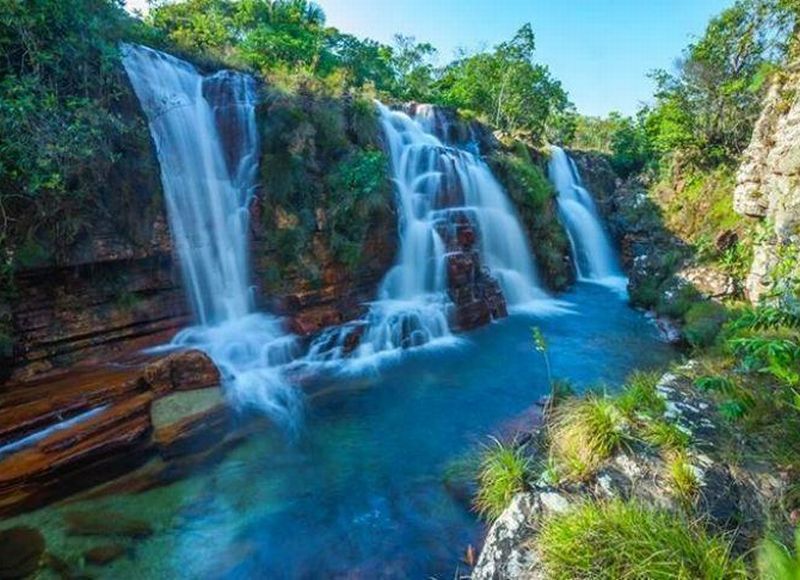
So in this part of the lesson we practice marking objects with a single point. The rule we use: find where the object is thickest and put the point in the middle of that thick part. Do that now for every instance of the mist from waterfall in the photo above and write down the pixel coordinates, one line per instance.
(434, 181)
(205, 134)
(592, 250)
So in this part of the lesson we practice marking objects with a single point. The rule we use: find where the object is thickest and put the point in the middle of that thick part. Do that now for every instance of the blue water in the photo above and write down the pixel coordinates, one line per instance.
(361, 493)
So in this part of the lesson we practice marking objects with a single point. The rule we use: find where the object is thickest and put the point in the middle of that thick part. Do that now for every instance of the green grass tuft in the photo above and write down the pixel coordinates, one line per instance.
(640, 395)
(609, 541)
(682, 478)
(667, 436)
(585, 432)
(503, 471)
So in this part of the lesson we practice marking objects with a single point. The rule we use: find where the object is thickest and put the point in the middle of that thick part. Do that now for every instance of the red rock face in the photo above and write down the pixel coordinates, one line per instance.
(476, 294)
(94, 312)
(338, 294)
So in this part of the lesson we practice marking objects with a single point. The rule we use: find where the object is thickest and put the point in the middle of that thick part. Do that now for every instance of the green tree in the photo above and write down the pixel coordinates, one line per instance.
(707, 107)
(506, 87)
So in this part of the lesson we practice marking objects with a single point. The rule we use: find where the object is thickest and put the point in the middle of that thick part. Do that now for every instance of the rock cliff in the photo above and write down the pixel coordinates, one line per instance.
(768, 182)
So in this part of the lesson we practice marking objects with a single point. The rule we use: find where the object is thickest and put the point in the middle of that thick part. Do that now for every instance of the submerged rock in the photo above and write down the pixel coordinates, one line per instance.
(21, 552)
(101, 523)
(105, 554)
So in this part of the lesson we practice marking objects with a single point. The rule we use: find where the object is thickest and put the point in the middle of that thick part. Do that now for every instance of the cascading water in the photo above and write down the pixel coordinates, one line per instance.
(595, 258)
(205, 133)
(434, 182)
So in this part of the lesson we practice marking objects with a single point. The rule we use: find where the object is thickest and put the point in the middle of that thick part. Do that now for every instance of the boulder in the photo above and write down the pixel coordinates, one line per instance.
(709, 281)
(21, 552)
(181, 371)
(109, 443)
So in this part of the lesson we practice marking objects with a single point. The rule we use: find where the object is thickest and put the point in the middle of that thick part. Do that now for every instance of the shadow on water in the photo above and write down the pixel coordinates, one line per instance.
(361, 493)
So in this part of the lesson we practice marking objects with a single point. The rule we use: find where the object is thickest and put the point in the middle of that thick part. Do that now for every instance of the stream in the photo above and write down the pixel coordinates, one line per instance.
(361, 492)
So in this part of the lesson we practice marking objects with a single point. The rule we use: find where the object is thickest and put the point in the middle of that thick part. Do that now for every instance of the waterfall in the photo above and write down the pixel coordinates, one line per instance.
(595, 258)
(206, 139)
(438, 187)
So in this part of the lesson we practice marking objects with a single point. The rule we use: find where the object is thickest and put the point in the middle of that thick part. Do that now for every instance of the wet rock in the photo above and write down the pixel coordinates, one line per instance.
(187, 422)
(461, 268)
(181, 371)
(353, 338)
(21, 552)
(472, 315)
(101, 447)
(105, 554)
(101, 523)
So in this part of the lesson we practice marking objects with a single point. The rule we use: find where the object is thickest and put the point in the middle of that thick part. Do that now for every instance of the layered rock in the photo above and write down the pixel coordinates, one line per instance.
(108, 296)
(768, 182)
(89, 427)
(476, 294)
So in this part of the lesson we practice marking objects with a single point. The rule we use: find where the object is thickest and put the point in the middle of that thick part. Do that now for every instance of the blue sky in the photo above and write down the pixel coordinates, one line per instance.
(601, 50)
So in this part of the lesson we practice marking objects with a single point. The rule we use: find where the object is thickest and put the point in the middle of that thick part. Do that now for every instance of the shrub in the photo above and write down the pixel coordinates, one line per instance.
(584, 432)
(765, 318)
(676, 301)
(703, 322)
(609, 541)
(502, 474)
(534, 197)
(358, 188)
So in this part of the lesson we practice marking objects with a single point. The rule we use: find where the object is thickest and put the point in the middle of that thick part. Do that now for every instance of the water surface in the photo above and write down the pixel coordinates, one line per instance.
(361, 493)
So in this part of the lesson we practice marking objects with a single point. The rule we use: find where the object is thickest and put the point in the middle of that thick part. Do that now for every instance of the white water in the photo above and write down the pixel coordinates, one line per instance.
(595, 258)
(413, 305)
(205, 133)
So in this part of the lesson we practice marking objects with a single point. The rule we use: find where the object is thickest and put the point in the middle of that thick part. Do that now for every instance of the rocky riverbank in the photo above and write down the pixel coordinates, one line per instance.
(728, 496)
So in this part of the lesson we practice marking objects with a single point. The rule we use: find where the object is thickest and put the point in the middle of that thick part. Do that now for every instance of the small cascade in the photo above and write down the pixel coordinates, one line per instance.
(595, 258)
(204, 130)
(463, 254)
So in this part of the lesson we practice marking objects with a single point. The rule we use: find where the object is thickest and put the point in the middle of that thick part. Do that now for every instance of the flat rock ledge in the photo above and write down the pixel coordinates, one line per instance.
(65, 436)
(732, 499)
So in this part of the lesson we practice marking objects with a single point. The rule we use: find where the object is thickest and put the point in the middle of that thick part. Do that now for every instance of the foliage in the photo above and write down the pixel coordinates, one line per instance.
(626, 540)
(704, 109)
(667, 436)
(631, 149)
(534, 198)
(777, 562)
(71, 129)
(359, 187)
(325, 177)
(583, 433)
(703, 322)
(505, 87)
(503, 471)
